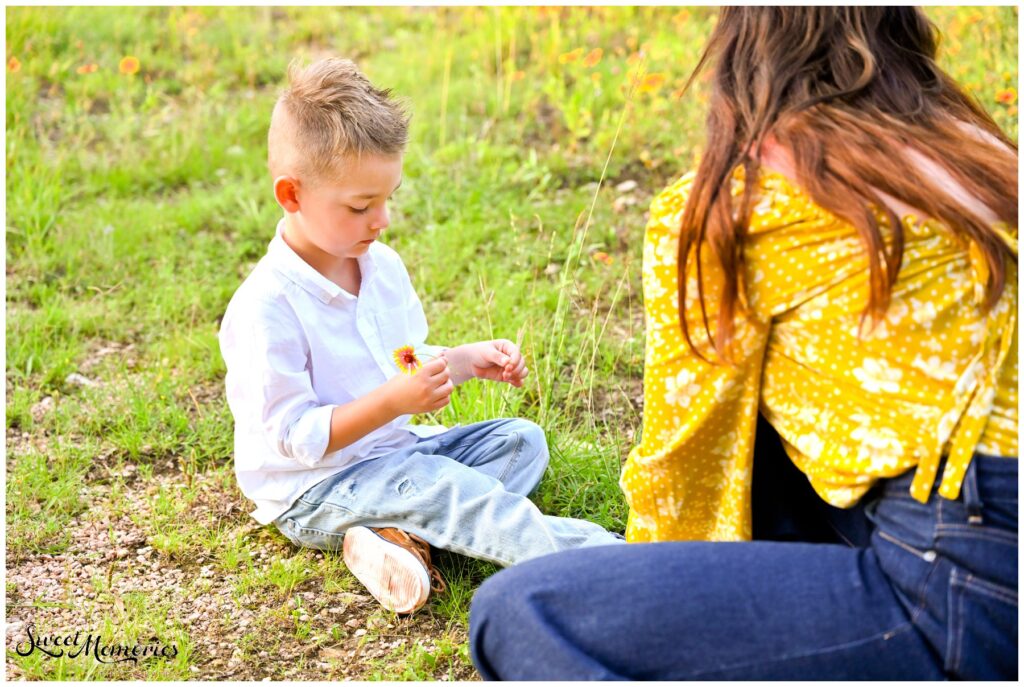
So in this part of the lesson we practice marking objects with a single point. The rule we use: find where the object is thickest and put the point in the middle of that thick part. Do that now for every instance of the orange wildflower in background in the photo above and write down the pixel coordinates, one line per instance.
(13, 64)
(1007, 96)
(405, 358)
(570, 56)
(651, 83)
(601, 256)
(88, 68)
(593, 57)
(128, 65)
(517, 75)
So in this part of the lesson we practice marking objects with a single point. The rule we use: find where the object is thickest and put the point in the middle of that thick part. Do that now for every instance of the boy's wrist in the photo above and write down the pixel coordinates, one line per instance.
(458, 365)
(390, 399)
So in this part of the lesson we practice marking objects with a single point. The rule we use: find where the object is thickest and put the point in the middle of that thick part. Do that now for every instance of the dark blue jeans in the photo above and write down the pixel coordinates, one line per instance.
(908, 591)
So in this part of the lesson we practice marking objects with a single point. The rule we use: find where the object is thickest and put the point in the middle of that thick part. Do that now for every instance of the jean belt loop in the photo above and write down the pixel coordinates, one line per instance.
(972, 499)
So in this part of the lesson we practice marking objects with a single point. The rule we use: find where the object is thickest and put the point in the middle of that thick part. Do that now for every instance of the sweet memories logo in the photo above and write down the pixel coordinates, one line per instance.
(92, 645)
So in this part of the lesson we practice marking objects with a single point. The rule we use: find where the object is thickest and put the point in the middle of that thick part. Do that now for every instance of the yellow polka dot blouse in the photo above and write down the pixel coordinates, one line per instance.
(852, 404)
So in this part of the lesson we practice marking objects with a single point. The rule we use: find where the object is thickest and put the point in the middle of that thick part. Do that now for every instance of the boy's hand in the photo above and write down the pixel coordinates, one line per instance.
(429, 389)
(499, 360)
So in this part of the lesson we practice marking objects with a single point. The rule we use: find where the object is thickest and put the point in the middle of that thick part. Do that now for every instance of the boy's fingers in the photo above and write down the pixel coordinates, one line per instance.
(444, 393)
(434, 367)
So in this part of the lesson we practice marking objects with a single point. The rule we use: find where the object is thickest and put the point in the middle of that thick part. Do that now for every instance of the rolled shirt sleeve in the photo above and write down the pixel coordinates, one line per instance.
(292, 417)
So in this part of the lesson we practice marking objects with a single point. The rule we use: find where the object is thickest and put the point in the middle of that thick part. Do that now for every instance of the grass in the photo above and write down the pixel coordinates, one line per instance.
(137, 203)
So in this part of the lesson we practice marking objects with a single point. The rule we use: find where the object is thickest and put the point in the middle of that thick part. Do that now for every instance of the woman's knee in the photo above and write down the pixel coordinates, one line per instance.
(525, 621)
(501, 616)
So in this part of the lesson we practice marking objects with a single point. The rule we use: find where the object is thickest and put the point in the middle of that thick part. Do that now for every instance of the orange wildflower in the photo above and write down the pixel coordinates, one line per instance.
(405, 358)
(651, 83)
(88, 68)
(13, 64)
(593, 57)
(128, 65)
(601, 256)
(1007, 96)
(517, 75)
(570, 56)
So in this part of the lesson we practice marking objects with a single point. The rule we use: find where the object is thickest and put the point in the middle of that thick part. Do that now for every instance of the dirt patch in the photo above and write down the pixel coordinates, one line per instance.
(111, 569)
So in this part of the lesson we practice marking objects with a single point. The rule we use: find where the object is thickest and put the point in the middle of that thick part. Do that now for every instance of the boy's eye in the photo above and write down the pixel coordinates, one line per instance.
(359, 211)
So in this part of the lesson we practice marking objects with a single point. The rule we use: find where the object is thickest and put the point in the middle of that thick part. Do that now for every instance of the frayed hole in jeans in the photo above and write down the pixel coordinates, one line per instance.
(406, 487)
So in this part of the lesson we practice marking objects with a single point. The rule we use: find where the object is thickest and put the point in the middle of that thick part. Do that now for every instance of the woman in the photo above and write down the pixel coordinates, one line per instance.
(843, 261)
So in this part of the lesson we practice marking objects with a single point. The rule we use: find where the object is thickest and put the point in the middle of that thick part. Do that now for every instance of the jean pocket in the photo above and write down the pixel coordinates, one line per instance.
(982, 642)
(910, 521)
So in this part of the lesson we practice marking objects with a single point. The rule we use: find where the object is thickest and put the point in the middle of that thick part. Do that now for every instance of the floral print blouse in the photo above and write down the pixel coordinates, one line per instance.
(936, 376)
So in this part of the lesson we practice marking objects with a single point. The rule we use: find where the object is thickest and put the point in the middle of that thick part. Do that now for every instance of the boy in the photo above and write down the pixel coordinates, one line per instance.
(313, 341)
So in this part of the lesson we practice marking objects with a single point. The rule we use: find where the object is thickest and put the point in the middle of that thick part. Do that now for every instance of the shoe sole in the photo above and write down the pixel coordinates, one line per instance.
(392, 575)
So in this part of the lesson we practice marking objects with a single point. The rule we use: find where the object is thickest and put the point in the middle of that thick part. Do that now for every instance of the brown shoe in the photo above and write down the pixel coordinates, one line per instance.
(393, 565)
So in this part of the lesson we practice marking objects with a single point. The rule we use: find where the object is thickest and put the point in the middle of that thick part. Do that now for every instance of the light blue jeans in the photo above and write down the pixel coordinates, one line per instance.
(463, 490)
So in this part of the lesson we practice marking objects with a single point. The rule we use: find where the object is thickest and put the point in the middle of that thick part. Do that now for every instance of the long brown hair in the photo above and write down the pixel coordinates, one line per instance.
(846, 91)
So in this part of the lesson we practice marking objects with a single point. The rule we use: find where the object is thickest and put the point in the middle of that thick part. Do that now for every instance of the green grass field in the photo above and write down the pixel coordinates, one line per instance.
(137, 201)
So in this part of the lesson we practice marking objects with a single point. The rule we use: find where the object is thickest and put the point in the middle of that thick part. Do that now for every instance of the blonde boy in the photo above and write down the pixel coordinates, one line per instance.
(323, 443)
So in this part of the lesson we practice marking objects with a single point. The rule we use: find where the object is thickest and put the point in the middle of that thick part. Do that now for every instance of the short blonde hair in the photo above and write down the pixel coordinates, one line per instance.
(331, 110)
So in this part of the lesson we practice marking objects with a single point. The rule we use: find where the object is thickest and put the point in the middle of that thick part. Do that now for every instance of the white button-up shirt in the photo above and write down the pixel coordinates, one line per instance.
(296, 345)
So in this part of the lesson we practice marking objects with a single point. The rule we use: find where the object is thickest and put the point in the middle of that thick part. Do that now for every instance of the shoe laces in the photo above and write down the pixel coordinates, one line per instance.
(418, 547)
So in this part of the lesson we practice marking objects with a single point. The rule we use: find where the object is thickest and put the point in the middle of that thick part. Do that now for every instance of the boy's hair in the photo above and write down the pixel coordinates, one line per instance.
(330, 110)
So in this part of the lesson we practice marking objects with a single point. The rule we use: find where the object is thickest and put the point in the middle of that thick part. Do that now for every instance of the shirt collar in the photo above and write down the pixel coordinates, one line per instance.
(288, 263)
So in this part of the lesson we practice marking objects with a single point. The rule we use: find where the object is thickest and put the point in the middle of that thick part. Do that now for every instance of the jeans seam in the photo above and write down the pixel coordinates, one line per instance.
(989, 589)
(920, 594)
(903, 545)
(953, 627)
(456, 548)
(904, 627)
(317, 530)
(512, 462)
(975, 532)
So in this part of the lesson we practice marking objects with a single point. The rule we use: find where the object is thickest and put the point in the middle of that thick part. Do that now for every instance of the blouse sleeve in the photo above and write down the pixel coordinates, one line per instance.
(690, 476)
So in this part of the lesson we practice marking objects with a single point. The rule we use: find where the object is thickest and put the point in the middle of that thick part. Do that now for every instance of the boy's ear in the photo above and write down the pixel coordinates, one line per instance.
(286, 191)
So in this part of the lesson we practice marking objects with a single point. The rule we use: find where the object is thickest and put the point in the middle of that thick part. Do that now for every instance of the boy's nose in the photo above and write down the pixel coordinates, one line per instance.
(382, 220)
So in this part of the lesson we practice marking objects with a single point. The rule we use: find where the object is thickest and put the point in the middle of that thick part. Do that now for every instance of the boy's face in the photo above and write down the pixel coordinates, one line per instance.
(343, 218)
